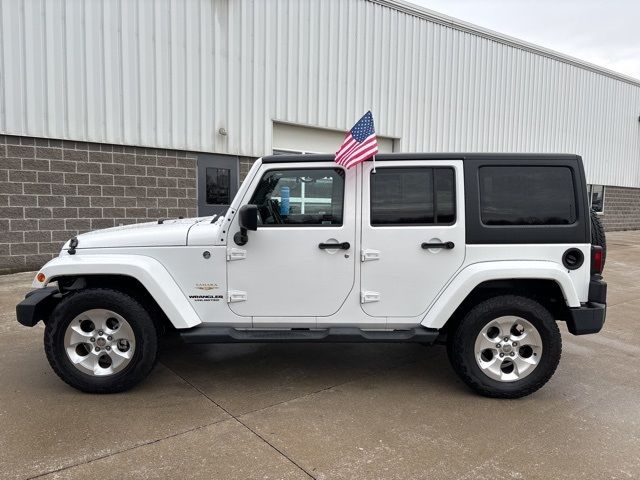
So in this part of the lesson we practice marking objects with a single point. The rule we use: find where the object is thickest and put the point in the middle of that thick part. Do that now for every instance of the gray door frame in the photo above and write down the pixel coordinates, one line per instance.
(226, 162)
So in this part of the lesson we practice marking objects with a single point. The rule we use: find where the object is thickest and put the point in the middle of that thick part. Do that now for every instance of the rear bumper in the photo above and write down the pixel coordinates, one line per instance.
(590, 316)
(36, 306)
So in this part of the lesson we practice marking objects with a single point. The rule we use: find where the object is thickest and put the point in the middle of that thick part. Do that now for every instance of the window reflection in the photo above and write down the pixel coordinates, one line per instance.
(217, 188)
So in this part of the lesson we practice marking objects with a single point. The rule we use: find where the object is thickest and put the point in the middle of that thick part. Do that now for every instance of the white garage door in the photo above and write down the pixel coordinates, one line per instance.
(303, 139)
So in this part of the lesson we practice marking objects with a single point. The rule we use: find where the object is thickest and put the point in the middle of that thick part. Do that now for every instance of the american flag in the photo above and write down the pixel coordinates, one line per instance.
(360, 143)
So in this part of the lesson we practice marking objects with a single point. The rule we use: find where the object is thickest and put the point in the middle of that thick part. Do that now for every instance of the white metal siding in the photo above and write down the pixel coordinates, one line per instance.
(170, 73)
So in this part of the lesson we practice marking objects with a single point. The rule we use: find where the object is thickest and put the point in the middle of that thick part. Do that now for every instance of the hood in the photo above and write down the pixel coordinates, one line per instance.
(149, 234)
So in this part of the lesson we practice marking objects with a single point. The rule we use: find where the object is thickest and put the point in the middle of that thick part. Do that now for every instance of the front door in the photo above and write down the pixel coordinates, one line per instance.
(217, 183)
(301, 260)
(412, 234)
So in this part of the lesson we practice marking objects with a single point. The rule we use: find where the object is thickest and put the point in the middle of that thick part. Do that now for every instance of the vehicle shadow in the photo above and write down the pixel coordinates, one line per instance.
(247, 377)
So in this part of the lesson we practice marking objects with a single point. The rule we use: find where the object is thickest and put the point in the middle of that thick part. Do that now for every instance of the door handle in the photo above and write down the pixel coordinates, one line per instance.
(330, 246)
(446, 245)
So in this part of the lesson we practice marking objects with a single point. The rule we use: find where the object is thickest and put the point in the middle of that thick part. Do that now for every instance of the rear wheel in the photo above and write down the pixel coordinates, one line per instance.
(101, 341)
(506, 347)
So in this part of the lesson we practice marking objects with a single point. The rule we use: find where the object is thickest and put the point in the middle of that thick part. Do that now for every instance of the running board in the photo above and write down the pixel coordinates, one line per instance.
(210, 334)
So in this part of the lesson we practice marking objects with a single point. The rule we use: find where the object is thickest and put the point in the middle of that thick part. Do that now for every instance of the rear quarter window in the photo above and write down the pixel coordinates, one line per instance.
(527, 195)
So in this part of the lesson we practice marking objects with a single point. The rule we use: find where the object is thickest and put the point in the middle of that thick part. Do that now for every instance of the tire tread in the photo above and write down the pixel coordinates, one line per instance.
(457, 352)
(135, 372)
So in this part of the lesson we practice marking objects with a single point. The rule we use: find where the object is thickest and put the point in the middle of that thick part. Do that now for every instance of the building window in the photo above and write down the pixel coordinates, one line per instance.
(527, 195)
(217, 186)
(308, 197)
(596, 198)
(412, 196)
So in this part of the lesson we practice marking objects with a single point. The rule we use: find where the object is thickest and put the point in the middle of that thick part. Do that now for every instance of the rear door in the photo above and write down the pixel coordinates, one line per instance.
(413, 236)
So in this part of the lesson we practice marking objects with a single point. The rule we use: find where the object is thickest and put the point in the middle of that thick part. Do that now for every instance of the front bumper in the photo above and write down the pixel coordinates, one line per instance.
(37, 305)
(590, 316)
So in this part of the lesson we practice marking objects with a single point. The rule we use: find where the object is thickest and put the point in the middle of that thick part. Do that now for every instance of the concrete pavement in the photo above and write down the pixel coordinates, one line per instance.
(329, 411)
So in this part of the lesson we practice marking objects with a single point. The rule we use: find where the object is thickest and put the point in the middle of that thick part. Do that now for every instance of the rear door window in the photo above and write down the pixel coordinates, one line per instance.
(527, 195)
(408, 196)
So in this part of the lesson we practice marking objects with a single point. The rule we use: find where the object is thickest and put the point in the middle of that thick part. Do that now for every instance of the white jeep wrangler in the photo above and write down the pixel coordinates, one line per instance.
(483, 252)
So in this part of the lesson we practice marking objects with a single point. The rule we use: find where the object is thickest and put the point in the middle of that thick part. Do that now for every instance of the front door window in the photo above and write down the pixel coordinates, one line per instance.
(300, 197)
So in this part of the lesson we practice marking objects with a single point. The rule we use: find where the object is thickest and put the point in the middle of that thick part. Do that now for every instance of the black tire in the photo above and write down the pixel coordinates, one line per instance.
(461, 344)
(146, 340)
(598, 236)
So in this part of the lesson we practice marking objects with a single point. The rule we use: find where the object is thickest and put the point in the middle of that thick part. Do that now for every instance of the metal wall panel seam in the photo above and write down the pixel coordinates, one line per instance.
(3, 72)
(444, 20)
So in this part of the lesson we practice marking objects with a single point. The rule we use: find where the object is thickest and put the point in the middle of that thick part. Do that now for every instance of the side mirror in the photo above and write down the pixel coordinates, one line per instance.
(248, 217)
(248, 220)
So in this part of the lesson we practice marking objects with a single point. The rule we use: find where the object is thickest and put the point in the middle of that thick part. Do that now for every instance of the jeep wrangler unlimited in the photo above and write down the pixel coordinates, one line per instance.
(483, 252)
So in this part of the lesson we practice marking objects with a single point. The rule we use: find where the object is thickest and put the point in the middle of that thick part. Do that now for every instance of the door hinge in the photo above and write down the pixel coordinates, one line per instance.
(236, 254)
(236, 296)
(368, 297)
(367, 255)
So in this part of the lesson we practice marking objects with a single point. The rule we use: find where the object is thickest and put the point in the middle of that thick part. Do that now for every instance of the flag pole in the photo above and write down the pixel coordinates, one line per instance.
(374, 165)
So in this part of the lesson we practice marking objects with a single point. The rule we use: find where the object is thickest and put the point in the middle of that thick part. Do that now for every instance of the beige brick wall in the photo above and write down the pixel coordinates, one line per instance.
(621, 208)
(51, 190)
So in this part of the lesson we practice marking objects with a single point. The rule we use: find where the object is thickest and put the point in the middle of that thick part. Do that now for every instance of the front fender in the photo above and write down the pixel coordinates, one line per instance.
(473, 275)
(148, 271)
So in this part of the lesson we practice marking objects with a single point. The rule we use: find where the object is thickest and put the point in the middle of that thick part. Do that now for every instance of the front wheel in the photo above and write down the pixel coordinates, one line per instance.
(100, 340)
(506, 347)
